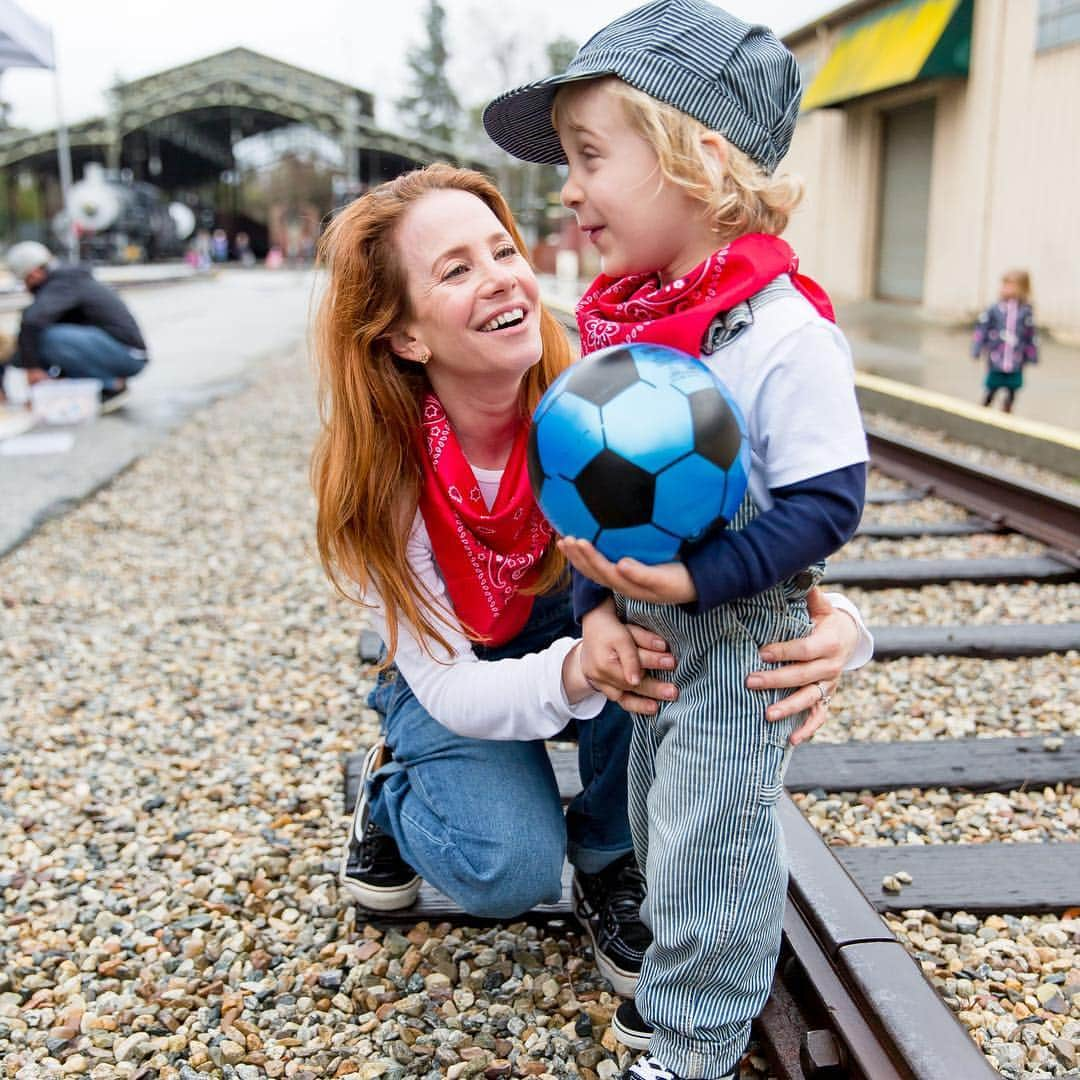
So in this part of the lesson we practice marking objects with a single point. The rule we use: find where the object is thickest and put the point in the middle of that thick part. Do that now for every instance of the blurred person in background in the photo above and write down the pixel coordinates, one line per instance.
(1005, 333)
(74, 328)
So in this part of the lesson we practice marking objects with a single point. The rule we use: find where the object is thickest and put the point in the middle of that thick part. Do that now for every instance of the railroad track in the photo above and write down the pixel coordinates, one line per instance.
(850, 999)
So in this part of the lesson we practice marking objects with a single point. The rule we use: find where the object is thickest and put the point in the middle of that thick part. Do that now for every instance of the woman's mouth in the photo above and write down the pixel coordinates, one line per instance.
(503, 321)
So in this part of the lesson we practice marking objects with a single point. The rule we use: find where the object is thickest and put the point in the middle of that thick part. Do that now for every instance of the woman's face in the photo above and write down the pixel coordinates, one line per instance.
(473, 298)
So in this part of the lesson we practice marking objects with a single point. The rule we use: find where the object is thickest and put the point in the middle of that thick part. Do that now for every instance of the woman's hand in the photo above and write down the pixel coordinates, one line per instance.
(813, 663)
(667, 583)
(615, 655)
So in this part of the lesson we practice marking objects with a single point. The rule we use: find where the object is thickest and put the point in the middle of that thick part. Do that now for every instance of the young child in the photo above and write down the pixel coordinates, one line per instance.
(672, 120)
(1005, 331)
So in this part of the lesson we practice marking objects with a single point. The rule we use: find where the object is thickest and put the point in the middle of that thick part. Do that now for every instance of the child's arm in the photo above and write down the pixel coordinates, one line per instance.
(808, 521)
(586, 593)
(1029, 341)
(979, 337)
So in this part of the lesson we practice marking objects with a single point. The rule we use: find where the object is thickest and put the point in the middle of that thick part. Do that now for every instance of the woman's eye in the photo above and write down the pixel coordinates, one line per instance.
(507, 251)
(454, 271)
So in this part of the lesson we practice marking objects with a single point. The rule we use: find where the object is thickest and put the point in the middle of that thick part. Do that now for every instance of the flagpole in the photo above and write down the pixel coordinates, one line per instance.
(63, 154)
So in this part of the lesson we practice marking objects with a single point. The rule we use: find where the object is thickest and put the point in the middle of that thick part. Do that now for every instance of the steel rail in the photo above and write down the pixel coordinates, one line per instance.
(1026, 508)
(848, 1000)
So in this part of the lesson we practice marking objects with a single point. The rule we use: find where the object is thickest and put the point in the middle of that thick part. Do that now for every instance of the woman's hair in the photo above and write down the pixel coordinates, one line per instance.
(1022, 280)
(740, 196)
(366, 468)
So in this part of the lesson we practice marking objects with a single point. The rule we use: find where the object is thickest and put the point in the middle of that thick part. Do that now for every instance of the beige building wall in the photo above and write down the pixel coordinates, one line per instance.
(1006, 164)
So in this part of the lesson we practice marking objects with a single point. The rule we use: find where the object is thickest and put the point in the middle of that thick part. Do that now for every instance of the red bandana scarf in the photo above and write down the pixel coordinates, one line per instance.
(636, 308)
(485, 556)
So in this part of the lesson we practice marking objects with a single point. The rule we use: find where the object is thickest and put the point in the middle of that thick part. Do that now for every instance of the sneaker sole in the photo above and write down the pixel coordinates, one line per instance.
(373, 897)
(115, 403)
(636, 1040)
(623, 982)
(380, 898)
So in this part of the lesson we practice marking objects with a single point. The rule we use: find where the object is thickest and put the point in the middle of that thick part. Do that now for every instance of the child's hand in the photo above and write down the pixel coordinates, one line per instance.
(667, 583)
(613, 656)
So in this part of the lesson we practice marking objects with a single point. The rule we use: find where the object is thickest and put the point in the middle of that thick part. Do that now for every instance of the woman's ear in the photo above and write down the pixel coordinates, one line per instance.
(407, 347)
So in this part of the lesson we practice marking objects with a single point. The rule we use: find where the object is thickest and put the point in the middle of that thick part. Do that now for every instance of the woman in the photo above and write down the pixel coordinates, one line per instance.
(434, 350)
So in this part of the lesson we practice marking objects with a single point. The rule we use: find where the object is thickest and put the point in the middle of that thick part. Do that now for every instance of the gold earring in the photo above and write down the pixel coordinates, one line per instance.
(424, 356)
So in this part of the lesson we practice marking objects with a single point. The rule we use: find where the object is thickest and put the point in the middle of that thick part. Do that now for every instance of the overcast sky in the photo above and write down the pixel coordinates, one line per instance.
(362, 42)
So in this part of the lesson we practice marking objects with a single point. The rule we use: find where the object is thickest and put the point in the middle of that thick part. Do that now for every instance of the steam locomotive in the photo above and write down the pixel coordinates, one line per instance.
(119, 221)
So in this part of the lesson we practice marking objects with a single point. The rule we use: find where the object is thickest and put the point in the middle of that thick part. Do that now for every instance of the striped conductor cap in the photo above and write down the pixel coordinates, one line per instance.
(737, 79)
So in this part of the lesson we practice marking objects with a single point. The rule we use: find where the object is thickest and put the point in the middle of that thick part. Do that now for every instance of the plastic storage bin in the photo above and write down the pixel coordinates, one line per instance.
(66, 401)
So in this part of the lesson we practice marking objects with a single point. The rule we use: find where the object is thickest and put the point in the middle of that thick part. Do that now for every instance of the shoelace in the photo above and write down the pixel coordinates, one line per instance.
(374, 848)
(627, 891)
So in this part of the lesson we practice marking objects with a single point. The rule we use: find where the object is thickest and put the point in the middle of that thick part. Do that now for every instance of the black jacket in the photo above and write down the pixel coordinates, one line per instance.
(71, 294)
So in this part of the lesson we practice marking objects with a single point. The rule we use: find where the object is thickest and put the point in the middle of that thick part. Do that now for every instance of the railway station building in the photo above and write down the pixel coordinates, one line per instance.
(940, 145)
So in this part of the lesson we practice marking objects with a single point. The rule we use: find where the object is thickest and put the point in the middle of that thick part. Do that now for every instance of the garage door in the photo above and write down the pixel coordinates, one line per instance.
(907, 151)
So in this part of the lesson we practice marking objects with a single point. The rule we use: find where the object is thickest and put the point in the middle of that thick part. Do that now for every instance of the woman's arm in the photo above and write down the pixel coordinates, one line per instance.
(839, 642)
(531, 697)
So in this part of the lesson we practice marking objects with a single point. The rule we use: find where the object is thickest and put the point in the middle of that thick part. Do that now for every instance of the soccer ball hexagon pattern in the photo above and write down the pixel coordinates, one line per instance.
(640, 449)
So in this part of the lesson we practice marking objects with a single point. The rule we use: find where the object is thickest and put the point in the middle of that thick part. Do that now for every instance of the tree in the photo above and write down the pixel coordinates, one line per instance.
(431, 108)
(560, 52)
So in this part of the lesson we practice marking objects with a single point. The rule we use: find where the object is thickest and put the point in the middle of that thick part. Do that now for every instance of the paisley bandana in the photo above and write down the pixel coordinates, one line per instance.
(621, 311)
(486, 557)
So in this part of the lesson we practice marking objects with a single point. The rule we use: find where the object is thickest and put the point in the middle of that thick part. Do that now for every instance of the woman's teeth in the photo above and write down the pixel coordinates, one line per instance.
(507, 318)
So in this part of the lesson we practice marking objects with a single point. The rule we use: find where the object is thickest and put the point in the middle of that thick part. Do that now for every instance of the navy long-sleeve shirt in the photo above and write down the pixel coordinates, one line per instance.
(807, 522)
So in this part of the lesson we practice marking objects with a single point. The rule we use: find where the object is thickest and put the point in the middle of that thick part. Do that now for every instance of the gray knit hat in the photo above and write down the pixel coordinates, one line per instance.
(737, 79)
(24, 258)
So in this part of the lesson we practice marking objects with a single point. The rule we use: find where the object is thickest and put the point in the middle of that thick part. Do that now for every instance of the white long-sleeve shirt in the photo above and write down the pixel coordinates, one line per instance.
(516, 698)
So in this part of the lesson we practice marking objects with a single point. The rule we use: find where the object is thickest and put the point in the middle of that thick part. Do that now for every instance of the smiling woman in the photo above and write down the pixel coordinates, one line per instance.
(434, 349)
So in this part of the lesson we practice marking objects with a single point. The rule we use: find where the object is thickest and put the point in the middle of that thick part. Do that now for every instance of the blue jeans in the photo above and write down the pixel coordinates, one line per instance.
(481, 819)
(87, 352)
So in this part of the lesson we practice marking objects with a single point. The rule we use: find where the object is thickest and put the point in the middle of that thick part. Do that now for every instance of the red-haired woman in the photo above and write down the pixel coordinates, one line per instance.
(434, 349)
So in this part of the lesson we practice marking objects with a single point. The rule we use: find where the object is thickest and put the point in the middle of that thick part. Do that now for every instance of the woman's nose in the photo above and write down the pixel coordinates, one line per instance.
(499, 276)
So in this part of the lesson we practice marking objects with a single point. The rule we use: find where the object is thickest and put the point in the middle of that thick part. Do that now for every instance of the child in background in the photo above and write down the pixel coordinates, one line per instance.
(1005, 331)
(672, 120)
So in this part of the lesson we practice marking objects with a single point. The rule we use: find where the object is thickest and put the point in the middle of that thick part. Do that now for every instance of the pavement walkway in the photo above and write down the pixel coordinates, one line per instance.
(205, 337)
(895, 341)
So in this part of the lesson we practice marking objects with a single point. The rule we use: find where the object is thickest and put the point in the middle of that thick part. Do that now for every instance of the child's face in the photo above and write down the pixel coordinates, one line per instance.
(637, 218)
(1010, 289)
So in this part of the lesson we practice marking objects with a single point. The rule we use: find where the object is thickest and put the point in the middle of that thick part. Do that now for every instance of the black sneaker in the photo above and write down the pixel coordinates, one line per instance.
(114, 399)
(630, 1027)
(648, 1068)
(372, 868)
(608, 905)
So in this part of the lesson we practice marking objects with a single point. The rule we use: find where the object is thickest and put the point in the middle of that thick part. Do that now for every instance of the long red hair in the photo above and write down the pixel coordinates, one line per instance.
(366, 467)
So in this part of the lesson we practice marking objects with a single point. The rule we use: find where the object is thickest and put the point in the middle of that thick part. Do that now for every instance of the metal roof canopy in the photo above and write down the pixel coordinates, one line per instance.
(199, 109)
(908, 41)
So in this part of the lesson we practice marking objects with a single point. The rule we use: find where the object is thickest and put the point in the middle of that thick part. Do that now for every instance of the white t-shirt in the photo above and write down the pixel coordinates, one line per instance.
(791, 374)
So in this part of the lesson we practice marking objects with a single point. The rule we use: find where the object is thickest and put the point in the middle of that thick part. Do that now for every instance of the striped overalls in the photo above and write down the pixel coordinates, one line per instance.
(705, 774)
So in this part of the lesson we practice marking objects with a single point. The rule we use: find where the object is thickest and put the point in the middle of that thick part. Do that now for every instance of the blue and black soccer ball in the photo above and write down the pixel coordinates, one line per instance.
(640, 449)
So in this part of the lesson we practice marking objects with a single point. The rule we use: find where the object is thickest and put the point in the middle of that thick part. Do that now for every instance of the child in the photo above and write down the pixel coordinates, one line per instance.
(672, 120)
(1006, 333)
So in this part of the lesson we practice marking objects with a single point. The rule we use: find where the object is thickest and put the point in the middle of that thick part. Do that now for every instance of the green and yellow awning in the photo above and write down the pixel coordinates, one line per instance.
(903, 43)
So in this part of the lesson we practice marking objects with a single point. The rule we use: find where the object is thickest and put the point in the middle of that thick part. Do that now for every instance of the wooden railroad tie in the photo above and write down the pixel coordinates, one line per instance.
(975, 877)
(908, 573)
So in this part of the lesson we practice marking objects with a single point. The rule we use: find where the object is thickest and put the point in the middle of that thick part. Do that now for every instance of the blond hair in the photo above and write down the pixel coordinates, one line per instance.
(366, 468)
(740, 196)
(1022, 280)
